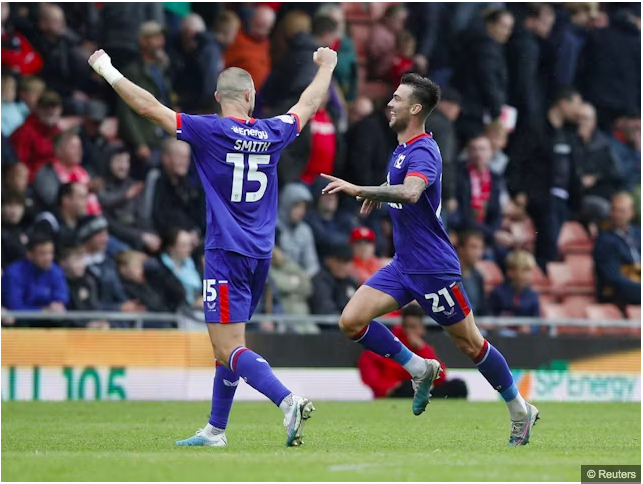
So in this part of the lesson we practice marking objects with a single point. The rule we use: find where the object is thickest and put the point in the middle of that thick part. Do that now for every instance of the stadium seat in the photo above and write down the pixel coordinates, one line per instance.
(552, 311)
(557, 312)
(609, 312)
(540, 284)
(574, 239)
(524, 233)
(574, 276)
(69, 122)
(576, 305)
(491, 274)
(109, 128)
(633, 313)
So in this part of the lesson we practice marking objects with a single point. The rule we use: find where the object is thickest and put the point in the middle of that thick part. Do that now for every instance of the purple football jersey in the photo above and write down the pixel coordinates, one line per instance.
(237, 164)
(422, 245)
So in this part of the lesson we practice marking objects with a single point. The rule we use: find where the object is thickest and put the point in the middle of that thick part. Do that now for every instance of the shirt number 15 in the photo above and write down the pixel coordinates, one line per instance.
(238, 159)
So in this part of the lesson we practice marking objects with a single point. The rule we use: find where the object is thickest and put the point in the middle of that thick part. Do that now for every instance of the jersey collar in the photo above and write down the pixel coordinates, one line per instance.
(413, 140)
(244, 121)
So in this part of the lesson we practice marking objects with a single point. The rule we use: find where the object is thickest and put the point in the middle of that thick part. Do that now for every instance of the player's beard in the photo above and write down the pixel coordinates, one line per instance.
(398, 124)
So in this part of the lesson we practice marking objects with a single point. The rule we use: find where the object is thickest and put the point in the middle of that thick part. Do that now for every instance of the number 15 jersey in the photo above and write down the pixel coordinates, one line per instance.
(237, 163)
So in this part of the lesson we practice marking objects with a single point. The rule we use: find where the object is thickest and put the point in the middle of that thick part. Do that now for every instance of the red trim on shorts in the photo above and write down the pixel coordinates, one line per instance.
(225, 304)
(296, 116)
(417, 173)
(460, 298)
(413, 140)
(483, 351)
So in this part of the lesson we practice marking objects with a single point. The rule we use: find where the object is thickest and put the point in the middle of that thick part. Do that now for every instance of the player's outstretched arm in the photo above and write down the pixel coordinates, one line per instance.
(137, 98)
(314, 94)
(408, 192)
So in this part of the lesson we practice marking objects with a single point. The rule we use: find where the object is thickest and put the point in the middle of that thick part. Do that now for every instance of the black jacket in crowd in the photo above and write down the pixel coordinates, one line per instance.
(331, 295)
(598, 159)
(179, 205)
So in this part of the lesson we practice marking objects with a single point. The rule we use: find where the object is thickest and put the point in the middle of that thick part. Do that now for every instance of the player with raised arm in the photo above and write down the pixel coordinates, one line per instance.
(425, 266)
(236, 157)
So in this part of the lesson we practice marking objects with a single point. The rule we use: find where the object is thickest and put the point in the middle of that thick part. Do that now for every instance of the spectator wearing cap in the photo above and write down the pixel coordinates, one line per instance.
(93, 237)
(150, 72)
(441, 124)
(33, 141)
(122, 202)
(65, 168)
(333, 286)
(196, 64)
(295, 237)
(14, 226)
(251, 47)
(365, 262)
(64, 71)
(626, 143)
(330, 225)
(35, 283)
(18, 55)
(93, 142)
(62, 223)
(617, 255)
(381, 45)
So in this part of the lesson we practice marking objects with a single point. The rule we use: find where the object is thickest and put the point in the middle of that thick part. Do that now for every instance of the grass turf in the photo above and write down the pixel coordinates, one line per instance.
(374, 441)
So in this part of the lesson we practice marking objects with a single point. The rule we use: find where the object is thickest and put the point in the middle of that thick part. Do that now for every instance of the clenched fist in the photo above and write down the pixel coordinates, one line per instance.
(325, 57)
(102, 64)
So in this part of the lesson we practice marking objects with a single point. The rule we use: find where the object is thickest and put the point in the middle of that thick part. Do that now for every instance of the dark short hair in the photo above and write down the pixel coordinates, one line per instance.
(536, 9)
(323, 25)
(64, 137)
(565, 93)
(68, 251)
(425, 91)
(170, 237)
(12, 197)
(39, 238)
(492, 15)
(464, 236)
(64, 191)
(413, 310)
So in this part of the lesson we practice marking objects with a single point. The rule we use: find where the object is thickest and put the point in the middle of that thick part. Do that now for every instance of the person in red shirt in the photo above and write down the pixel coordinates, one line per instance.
(33, 141)
(17, 53)
(323, 145)
(403, 62)
(365, 263)
(388, 379)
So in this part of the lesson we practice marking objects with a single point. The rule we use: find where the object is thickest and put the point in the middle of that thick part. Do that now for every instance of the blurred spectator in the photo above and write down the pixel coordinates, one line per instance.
(609, 74)
(92, 234)
(617, 255)
(294, 22)
(15, 177)
(295, 237)
(542, 175)
(598, 168)
(527, 77)
(387, 379)
(346, 71)
(14, 112)
(174, 274)
(93, 142)
(130, 268)
(120, 23)
(381, 45)
(480, 72)
(515, 297)
(370, 144)
(359, 109)
(197, 61)
(333, 285)
(403, 62)
(63, 222)
(29, 91)
(251, 48)
(365, 262)
(293, 285)
(470, 252)
(478, 195)
(626, 143)
(150, 72)
(17, 53)
(35, 283)
(8, 154)
(330, 226)
(65, 168)
(441, 124)
(122, 202)
(176, 203)
(324, 142)
(14, 228)
(64, 71)
(33, 141)
(83, 289)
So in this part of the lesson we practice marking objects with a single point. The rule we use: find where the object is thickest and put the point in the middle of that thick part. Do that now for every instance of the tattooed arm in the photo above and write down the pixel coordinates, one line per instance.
(409, 192)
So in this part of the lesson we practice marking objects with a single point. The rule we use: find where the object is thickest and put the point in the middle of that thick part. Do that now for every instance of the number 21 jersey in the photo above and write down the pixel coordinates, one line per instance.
(237, 163)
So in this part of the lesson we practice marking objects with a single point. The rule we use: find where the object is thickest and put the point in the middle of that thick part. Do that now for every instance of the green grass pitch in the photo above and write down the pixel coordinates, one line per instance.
(378, 441)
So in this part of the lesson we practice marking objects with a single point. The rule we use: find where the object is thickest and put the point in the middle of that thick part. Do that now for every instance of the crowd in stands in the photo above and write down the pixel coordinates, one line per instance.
(539, 128)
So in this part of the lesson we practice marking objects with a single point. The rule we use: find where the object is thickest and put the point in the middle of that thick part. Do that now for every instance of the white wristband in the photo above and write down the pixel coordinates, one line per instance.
(103, 66)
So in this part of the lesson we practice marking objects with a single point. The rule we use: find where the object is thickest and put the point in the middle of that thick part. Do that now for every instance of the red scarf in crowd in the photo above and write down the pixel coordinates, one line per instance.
(480, 192)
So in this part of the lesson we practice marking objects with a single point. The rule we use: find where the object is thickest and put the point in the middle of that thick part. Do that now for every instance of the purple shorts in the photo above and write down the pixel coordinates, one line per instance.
(441, 296)
(233, 286)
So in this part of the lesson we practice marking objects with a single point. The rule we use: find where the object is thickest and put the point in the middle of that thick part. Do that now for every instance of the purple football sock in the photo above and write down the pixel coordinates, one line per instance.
(378, 338)
(257, 373)
(223, 390)
(494, 368)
